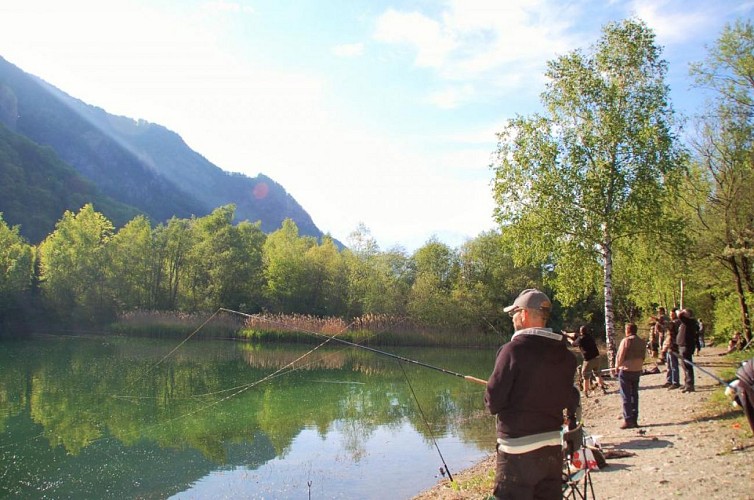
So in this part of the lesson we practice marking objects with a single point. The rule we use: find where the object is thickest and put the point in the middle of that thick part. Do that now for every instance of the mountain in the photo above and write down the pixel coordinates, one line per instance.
(37, 187)
(124, 165)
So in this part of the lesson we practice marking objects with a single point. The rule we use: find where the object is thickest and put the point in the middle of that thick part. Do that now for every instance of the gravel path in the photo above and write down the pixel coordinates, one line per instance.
(683, 447)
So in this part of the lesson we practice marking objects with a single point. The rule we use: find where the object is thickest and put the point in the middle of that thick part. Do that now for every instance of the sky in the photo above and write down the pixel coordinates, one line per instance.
(368, 112)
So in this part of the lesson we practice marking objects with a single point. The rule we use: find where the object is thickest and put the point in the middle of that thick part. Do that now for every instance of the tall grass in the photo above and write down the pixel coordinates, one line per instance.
(369, 329)
(173, 324)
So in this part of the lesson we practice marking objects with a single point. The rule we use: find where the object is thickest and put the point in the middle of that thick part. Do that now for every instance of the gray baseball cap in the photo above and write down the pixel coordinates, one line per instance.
(531, 298)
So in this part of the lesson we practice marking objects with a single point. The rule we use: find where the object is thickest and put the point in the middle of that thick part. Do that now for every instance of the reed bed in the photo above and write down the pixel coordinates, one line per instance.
(369, 329)
(173, 324)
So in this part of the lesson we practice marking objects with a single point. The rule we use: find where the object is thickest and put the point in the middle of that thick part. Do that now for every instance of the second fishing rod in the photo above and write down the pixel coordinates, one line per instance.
(380, 352)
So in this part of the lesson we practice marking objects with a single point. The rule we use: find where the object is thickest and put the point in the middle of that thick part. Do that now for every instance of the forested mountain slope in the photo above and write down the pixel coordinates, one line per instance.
(136, 163)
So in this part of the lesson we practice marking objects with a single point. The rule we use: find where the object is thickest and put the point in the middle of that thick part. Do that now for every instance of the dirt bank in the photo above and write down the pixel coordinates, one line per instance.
(686, 445)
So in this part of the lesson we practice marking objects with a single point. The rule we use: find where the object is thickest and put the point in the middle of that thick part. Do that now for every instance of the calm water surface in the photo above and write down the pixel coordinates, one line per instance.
(103, 417)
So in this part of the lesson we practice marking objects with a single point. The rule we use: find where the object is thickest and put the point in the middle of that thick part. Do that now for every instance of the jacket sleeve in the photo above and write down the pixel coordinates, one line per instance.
(620, 358)
(499, 385)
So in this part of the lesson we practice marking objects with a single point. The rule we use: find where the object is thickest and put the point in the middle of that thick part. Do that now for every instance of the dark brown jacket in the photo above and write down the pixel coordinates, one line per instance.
(531, 385)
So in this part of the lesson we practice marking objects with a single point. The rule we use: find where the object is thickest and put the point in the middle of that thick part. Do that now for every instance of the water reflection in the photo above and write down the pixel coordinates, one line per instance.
(115, 417)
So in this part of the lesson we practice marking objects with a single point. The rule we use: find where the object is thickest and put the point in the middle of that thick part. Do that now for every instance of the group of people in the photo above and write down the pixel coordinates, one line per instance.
(531, 389)
(680, 336)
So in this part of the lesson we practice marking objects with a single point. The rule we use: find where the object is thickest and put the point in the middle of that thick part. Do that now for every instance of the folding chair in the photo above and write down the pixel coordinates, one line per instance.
(577, 478)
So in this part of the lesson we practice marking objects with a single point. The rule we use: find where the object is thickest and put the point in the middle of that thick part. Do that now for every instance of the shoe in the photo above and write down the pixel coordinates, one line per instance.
(666, 385)
(688, 389)
(674, 386)
(628, 425)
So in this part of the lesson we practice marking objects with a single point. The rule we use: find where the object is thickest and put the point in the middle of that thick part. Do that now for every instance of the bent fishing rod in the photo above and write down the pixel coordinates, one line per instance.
(377, 351)
(694, 365)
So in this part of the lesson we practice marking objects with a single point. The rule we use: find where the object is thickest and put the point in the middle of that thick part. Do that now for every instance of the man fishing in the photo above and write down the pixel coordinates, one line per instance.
(530, 387)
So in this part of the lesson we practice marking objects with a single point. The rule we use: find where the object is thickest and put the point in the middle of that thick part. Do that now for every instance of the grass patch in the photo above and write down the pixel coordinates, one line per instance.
(721, 404)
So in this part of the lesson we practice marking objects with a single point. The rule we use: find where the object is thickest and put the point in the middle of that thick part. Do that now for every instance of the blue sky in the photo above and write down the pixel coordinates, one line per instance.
(375, 112)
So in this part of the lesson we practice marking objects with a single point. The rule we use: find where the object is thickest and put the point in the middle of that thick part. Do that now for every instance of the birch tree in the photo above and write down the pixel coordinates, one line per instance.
(581, 180)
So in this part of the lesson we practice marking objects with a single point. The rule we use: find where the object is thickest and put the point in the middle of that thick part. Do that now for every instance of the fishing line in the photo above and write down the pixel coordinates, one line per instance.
(372, 349)
(405, 375)
(424, 418)
(148, 371)
(243, 388)
(721, 381)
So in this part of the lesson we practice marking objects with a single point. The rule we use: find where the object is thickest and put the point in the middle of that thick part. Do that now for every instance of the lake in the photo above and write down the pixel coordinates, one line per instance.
(113, 417)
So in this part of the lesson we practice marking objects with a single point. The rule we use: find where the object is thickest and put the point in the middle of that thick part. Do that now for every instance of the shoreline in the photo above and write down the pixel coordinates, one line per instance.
(687, 443)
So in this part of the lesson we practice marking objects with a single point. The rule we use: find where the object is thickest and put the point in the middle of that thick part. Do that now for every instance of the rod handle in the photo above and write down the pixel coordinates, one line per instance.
(474, 379)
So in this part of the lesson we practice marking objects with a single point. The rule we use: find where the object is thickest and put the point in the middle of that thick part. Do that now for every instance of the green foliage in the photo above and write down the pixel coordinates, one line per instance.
(430, 299)
(133, 265)
(723, 181)
(72, 267)
(488, 281)
(727, 315)
(16, 270)
(596, 169)
(285, 268)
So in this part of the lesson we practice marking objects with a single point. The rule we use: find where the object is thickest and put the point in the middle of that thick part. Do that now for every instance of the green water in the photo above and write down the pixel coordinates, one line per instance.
(102, 417)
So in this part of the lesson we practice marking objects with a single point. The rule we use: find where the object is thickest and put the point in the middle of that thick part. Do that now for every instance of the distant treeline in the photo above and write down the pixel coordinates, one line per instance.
(88, 273)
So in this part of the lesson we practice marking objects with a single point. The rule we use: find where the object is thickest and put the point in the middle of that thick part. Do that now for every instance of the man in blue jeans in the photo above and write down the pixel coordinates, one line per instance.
(670, 348)
(629, 362)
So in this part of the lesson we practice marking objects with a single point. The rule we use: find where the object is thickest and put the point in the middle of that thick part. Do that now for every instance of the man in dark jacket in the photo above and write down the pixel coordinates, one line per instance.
(687, 340)
(590, 352)
(530, 387)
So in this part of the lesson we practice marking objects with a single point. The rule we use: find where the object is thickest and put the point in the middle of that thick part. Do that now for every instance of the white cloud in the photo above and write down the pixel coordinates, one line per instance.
(674, 24)
(475, 41)
(428, 37)
(349, 50)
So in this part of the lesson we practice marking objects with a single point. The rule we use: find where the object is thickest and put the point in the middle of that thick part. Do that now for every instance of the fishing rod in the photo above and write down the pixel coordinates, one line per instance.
(383, 353)
(691, 363)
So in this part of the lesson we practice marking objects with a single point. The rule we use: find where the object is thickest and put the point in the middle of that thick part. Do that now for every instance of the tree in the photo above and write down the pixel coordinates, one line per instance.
(216, 274)
(285, 268)
(132, 265)
(172, 244)
(327, 280)
(595, 170)
(725, 154)
(430, 300)
(489, 281)
(16, 270)
(378, 282)
(72, 267)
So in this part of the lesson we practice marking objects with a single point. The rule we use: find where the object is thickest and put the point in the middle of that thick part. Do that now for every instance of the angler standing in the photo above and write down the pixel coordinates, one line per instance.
(687, 342)
(530, 387)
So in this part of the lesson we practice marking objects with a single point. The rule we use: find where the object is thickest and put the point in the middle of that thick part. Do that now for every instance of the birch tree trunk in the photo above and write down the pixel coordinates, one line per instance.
(607, 254)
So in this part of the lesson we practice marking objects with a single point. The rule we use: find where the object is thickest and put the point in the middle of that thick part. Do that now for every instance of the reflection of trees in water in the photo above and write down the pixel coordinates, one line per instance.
(80, 391)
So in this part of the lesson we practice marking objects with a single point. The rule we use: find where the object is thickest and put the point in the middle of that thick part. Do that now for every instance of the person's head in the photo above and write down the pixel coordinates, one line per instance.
(631, 329)
(674, 314)
(530, 309)
(661, 310)
(583, 330)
